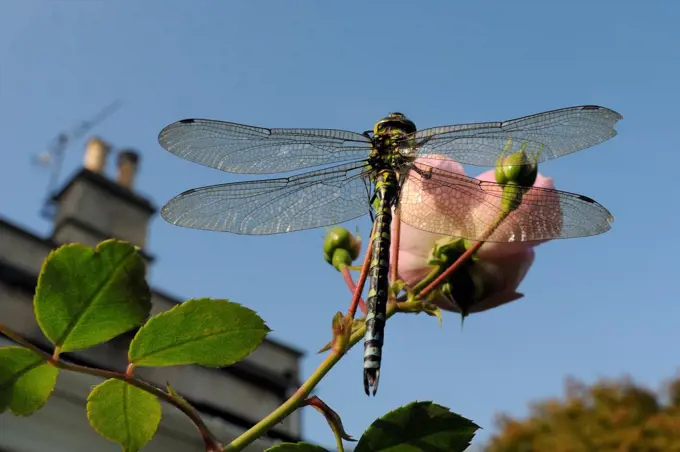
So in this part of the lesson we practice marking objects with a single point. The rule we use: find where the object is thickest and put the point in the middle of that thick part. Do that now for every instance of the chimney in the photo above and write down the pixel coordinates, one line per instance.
(92, 207)
(96, 154)
(128, 162)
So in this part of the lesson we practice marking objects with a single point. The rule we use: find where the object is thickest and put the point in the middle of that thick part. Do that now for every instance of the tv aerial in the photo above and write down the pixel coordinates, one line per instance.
(54, 156)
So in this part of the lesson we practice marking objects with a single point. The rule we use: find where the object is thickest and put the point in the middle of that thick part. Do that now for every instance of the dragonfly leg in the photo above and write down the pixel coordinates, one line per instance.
(425, 174)
(370, 203)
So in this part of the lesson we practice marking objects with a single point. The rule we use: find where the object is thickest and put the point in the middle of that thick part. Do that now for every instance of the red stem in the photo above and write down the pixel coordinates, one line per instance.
(352, 287)
(362, 280)
(394, 251)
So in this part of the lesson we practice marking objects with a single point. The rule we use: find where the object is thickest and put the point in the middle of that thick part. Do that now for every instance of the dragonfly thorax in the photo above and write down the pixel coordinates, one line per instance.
(390, 135)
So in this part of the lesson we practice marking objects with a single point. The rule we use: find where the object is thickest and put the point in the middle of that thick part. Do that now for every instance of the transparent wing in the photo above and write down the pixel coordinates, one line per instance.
(460, 206)
(239, 148)
(555, 133)
(305, 201)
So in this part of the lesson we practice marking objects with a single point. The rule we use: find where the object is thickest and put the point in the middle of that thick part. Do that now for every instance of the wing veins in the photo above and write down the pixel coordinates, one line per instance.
(282, 204)
(541, 207)
(251, 150)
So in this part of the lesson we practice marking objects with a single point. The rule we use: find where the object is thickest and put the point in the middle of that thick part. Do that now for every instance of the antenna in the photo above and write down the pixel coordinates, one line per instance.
(56, 150)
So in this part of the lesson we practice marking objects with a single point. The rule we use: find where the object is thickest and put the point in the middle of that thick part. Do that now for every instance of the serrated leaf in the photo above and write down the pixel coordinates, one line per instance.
(26, 381)
(88, 296)
(296, 447)
(123, 413)
(214, 333)
(418, 426)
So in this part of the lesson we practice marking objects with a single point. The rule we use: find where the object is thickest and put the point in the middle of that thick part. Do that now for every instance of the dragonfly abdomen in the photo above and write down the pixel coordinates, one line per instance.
(376, 303)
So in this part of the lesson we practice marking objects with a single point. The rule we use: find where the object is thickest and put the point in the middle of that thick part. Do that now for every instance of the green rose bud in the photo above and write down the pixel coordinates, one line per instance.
(516, 168)
(340, 248)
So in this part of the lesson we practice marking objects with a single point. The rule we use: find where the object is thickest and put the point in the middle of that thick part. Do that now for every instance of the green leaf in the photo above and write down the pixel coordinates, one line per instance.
(26, 381)
(123, 413)
(212, 333)
(86, 297)
(418, 426)
(296, 447)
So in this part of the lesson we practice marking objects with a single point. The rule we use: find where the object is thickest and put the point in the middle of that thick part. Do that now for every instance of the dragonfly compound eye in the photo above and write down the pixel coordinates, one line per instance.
(394, 121)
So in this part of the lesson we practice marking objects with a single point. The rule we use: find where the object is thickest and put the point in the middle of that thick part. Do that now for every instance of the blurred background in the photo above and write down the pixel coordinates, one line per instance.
(599, 307)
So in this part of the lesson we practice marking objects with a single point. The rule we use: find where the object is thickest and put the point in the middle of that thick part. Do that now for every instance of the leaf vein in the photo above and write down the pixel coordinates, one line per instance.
(193, 339)
(95, 296)
(15, 377)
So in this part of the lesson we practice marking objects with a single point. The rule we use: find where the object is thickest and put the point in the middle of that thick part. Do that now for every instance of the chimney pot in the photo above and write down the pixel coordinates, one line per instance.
(128, 162)
(96, 154)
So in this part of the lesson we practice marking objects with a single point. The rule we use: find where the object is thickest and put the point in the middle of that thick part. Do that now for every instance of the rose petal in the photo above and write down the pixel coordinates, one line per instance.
(415, 247)
(431, 199)
(495, 301)
(501, 279)
(501, 266)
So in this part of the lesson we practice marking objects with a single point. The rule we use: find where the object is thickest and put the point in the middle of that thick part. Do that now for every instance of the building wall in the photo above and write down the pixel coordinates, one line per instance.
(90, 208)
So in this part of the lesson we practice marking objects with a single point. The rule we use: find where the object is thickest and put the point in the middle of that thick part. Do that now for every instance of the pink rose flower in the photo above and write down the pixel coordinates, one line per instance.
(501, 266)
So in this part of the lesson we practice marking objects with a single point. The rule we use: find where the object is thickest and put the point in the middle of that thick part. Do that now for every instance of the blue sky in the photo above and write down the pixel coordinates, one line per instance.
(594, 307)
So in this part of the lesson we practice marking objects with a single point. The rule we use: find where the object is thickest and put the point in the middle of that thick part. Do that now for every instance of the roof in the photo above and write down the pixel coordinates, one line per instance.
(110, 185)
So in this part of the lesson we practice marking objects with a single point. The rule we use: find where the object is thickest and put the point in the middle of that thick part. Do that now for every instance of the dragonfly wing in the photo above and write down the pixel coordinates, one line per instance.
(239, 148)
(457, 205)
(305, 201)
(546, 135)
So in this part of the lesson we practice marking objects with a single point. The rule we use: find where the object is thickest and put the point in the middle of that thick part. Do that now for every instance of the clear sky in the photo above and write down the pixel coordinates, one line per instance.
(594, 307)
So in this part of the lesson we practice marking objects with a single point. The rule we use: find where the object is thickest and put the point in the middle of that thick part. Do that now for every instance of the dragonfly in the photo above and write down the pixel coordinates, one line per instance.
(359, 174)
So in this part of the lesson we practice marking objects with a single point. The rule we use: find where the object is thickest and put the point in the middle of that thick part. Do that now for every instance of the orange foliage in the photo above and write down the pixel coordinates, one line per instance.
(609, 416)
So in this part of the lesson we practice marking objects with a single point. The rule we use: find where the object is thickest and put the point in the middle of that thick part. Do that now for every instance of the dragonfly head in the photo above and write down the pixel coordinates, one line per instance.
(394, 122)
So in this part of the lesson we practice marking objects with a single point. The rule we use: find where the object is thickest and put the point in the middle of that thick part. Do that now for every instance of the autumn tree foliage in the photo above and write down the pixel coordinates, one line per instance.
(610, 415)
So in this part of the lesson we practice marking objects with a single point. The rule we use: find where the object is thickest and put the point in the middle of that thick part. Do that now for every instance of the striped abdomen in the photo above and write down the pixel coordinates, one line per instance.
(376, 303)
